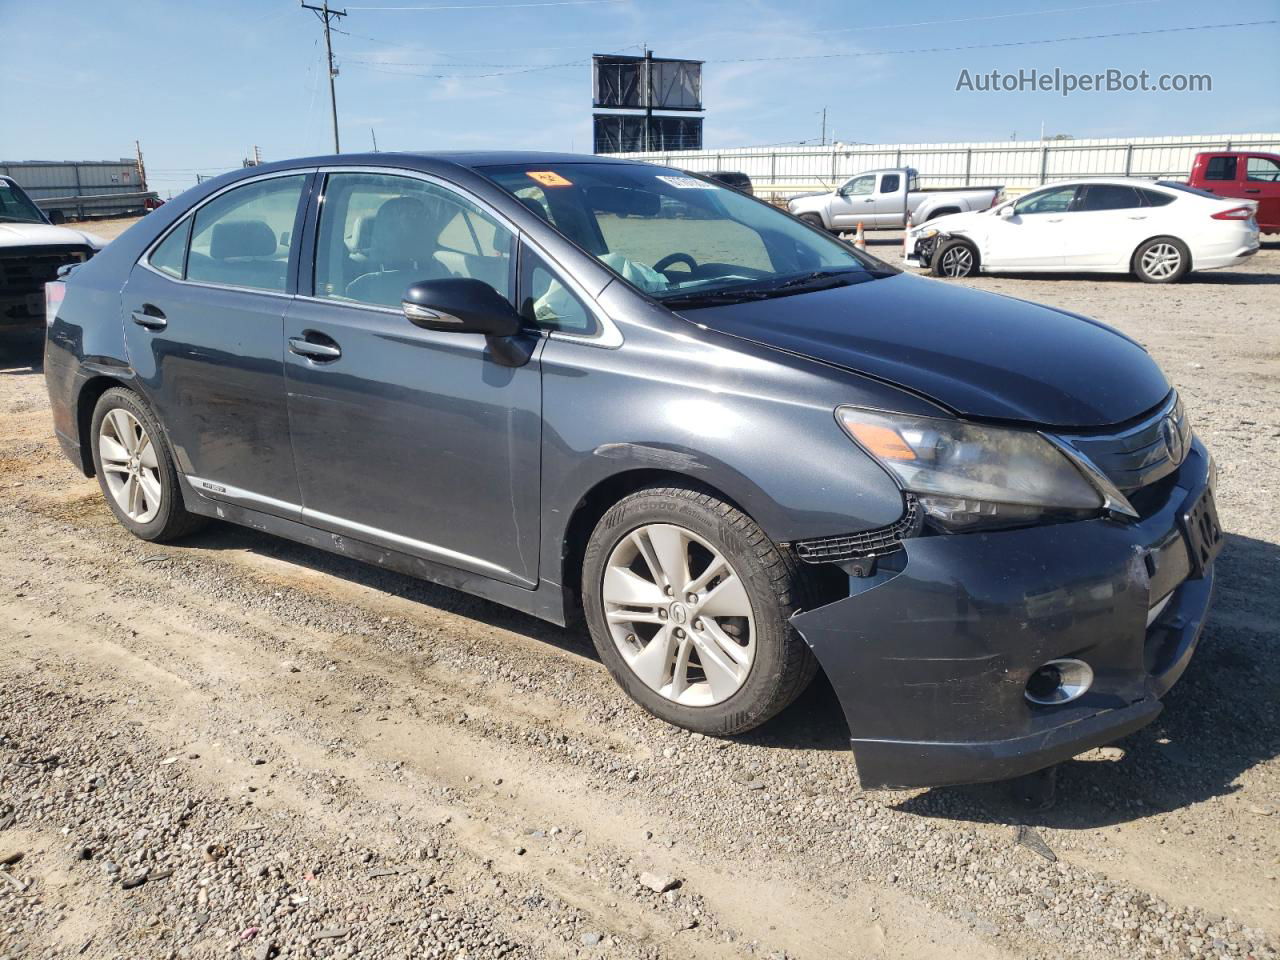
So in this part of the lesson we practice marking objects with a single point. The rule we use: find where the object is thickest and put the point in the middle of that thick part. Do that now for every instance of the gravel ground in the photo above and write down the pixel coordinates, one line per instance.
(241, 747)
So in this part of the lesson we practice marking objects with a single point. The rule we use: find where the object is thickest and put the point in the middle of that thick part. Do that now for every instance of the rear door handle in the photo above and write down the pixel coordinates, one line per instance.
(150, 317)
(314, 350)
(1055, 220)
(1251, 190)
(1141, 216)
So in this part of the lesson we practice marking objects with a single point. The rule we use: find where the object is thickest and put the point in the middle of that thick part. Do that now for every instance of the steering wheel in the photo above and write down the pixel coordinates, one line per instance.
(670, 258)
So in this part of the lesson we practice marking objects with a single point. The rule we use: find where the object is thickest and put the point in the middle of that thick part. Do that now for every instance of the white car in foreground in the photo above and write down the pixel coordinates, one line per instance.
(1156, 230)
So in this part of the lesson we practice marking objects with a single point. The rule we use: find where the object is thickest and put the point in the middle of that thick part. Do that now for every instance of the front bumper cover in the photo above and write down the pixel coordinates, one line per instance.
(930, 662)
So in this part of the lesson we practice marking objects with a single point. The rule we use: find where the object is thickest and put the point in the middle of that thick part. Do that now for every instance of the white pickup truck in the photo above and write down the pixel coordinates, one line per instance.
(31, 251)
(880, 199)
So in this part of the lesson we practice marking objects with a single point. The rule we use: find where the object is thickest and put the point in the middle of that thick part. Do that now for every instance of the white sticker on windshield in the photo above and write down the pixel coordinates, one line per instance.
(688, 183)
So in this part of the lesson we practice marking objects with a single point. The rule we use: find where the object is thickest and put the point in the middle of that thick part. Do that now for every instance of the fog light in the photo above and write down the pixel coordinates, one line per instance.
(1059, 681)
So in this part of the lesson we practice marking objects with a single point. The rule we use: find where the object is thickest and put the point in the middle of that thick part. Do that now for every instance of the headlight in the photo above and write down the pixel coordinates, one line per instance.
(925, 233)
(968, 476)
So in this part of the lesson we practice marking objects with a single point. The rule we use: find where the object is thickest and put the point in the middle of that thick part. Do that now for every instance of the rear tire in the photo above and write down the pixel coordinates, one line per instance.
(955, 258)
(1161, 260)
(135, 469)
(712, 654)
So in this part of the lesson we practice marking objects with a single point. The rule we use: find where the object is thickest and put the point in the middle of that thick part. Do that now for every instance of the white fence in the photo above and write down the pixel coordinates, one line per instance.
(1018, 164)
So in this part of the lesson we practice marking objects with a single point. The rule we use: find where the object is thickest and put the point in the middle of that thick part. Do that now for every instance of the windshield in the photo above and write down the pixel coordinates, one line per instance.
(16, 206)
(679, 238)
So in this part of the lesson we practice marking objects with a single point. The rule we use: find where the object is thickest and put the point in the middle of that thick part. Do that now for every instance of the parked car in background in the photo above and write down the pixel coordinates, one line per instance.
(1158, 231)
(733, 178)
(885, 199)
(31, 251)
(1246, 174)
(740, 449)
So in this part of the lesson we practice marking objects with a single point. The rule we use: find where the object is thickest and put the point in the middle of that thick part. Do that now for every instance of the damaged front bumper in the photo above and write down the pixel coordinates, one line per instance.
(930, 661)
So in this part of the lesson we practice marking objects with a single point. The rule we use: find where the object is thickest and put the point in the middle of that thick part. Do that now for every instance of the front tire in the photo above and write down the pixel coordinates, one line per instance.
(135, 469)
(814, 220)
(687, 602)
(955, 258)
(1161, 260)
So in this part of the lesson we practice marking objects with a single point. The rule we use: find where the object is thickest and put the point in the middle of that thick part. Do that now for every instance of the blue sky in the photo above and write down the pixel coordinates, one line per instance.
(199, 83)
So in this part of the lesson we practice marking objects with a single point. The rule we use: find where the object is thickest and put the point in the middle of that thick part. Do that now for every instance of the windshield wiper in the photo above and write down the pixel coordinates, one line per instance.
(8, 219)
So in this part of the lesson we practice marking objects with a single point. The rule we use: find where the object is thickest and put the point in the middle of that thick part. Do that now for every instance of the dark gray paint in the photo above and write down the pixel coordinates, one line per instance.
(740, 401)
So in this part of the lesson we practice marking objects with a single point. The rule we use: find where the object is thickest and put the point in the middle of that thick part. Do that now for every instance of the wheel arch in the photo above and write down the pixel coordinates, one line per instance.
(87, 398)
(932, 212)
(598, 501)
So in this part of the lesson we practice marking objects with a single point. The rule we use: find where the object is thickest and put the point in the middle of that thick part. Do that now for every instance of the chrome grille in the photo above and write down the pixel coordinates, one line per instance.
(1142, 454)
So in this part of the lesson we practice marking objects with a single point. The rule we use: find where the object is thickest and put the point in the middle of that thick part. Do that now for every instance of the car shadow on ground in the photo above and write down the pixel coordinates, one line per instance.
(1220, 720)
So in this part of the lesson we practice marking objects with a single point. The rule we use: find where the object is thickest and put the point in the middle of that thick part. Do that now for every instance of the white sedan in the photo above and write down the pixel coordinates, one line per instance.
(1156, 230)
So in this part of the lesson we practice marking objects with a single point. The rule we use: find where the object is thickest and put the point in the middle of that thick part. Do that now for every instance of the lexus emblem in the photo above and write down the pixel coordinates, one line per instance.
(1172, 438)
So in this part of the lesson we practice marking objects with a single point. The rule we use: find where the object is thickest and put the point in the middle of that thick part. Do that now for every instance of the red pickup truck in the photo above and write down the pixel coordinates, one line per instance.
(1244, 174)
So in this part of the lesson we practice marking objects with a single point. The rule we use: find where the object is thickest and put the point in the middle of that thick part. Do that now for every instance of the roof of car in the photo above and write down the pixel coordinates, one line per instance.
(461, 158)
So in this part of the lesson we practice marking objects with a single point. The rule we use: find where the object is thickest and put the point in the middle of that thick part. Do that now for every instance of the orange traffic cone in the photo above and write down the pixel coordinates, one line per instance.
(906, 239)
(859, 240)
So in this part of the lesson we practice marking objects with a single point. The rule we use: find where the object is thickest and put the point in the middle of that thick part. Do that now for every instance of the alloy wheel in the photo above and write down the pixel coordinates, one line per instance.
(1161, 261)
(957, 261)
(130, 465)
(679, 614)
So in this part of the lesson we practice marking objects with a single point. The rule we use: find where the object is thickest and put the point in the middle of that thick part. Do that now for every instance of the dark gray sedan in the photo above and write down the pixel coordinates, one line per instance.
(742, 450)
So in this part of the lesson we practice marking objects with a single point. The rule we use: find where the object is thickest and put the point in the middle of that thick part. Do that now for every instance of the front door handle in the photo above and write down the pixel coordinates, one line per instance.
(151, 317)
(1252, 190)
(1054, 220)
(305, 347)
(1141, 216)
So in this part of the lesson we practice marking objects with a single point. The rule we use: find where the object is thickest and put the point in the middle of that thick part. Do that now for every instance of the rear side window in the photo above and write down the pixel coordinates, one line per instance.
(244, 237)
(171, 255)
(1153, 198)
(889, 182)
(1263, 169)
(1220, 168)
(1110, 196)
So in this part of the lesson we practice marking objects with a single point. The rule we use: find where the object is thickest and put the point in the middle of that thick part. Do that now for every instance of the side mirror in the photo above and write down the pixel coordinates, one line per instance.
(1006, 212)
(460, 305)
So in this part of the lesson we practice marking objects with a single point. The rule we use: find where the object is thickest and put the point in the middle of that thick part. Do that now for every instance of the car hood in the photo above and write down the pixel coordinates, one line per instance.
(979, 354)
(42, 234)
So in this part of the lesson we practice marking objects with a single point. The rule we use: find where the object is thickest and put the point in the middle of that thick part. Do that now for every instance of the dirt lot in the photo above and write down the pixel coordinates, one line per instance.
(241, 747)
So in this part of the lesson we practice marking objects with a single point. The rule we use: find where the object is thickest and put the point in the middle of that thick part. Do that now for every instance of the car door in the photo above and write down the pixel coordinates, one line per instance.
(854, 201)
(1034, 235)
(890, 202)
(1262, 183)
(204, 321)
(412, 439)
(1106, 225)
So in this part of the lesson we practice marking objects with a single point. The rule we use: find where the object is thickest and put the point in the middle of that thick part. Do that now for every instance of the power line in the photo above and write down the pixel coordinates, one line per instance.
(989, 46)
(492, 6)
(363, 65)
(327, 16)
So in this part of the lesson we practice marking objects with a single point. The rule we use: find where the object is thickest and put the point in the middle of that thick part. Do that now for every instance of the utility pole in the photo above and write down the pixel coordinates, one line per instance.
(824, 126)
(327, 17)
(257, 156)
(142, 170)
(648, 95)
(374, 134)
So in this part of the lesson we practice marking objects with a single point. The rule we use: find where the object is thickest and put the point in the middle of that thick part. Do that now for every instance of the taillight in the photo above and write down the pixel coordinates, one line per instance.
(54, 292)
(1235, 213)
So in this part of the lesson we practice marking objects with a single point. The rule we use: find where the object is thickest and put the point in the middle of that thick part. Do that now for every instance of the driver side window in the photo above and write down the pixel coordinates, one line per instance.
(380, 233)
(1057, 200)
(860, 186)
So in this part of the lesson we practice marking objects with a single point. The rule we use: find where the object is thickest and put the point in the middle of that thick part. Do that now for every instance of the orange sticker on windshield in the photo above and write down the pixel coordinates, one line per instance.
(549, 178)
